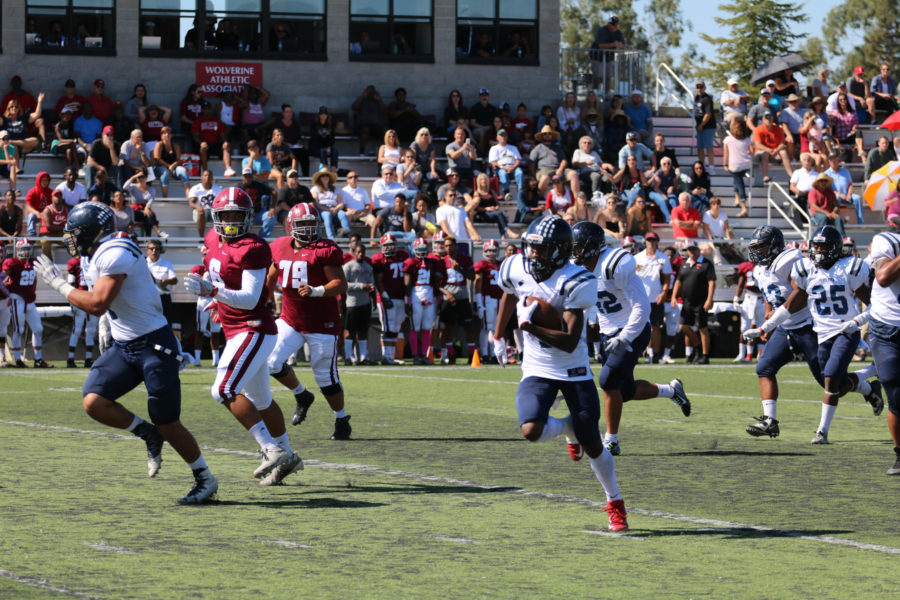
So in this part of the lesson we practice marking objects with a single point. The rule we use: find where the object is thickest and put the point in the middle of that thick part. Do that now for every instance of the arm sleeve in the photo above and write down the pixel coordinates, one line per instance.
(252, 282)
(640, 309)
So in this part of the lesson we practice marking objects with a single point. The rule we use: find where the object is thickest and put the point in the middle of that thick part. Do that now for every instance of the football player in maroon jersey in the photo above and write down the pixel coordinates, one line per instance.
(421, 275)
(309, 269)
(4, 324)
(81, 320)
(21, 280)
(388, 266)
(237, 262)
(487, 295)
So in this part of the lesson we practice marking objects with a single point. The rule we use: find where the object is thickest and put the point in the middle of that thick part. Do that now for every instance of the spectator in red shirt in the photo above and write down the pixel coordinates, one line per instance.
(769, 142)
(53, 220)
(152, 119)
(36, 200)
(209, 133)
(823, 204)
(103, 105)
(26, 100)
(70, 100)
(686, 220)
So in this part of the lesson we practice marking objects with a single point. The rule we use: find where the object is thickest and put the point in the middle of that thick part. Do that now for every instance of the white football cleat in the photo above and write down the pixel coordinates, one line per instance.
(271, 458)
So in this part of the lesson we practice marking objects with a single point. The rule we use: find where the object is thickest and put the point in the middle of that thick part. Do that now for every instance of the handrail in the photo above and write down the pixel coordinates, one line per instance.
(677, 79)
(770, 202)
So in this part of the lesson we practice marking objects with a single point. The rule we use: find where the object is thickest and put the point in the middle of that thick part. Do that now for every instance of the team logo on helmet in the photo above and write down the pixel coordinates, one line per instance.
(388, 244)
(303, 221)
(420, 248)
(24, 249)
(490, 249)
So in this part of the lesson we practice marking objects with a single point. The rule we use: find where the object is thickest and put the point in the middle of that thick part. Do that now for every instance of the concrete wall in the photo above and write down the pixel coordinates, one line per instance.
(306, 85)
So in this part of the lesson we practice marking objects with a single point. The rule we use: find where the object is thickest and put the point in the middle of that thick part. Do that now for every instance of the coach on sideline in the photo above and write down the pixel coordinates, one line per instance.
(696, 284)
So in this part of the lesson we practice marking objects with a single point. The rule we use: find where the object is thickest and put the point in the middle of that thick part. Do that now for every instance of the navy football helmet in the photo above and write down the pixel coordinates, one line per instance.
(87, 224)
(826, 246)
(588, 240)
(766, 243)
(547, 246)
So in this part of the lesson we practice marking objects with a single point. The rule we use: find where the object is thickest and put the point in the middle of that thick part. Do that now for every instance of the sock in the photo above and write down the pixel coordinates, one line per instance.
(596, 348)
(89, 352)
(769, 409)
(363, 347)
(827, 416)
(339, 414)
(348, 348)
(71, 353)
(665, 390)
(283, 443)
(197, 356)
(610, 438)
(483, 342)
(37, 354)
(667, 352)
(470, 348)
(414, 342)
(426, 341)
(387, 349)
(742, 350)
(650, 353)
(17, 353)
(215, 357)
(137, 421)
(299, 389)
(759, 349)
(262, 436)
(688, 350)
(863, 387)
(866, 372)
(200, 463)
(569, 430)
(605, 469)
(553, 428)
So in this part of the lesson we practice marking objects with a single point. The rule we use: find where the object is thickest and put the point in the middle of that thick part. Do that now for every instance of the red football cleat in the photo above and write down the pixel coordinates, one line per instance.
(576, 451)
(618, 520)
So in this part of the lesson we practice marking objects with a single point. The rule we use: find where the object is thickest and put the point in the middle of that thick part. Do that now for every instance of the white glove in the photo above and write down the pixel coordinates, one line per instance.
(524, 313)
(198, 286)
(499, 350)
(850, 327)
(51, 275)
(617, 345)
(736, 302)
(753, 334)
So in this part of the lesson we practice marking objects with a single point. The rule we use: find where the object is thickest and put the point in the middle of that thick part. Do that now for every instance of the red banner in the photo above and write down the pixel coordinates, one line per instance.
(214, 78)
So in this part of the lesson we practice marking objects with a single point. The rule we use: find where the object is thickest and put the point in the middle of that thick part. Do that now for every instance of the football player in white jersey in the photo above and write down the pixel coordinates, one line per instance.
(827, 285)
(623, 311)
(144, 350)
(556, 361)
(884, 328)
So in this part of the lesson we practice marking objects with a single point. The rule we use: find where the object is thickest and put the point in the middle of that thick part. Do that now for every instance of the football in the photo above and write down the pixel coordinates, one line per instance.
(545, 315)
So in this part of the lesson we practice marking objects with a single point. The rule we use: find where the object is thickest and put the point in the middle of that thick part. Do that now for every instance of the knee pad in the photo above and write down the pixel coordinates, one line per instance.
(285, 369)
(331, 390)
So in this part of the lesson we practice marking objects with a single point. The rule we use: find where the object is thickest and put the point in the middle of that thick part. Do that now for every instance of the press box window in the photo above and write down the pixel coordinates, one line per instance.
(70, 27)
(497, 32)
(392, 30)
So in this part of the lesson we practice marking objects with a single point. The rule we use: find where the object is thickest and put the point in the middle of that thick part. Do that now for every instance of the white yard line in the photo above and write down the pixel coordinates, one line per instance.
(46, 585)
(103, 546)
(553, 497)
(445, 538)
(293, 545)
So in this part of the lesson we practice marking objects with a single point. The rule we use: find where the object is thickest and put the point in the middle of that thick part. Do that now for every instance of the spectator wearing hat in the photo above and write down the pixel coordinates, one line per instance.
(640, 115)
(791, 119)
(591, 126)
(152, 119)
(66, 142)
(705, 125)
(386, 188)
(25, 99)
(768, 142)
(321, 140)
(884, 89)
(757, 111)
(102, 156)
(101, 103)
(279, 153)
(209, 135)
(261, 196)
(646, 160)
(329, 201)
(291, 194)
(655, 273)
(776, 102)
(403, 116)
(506, 161)
(461, 155)
(120, 122)
(70, 100)
(607, 39)
(858, 89)
(481, 119)
(735, 102)
(356, 201)
(823, 205)
(842, 184)
(696, 285)
(9, 163)
(548, 159)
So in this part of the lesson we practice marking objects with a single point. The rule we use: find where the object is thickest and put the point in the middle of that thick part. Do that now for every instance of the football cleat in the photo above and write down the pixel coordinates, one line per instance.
(390, 361)
(613, 448)
(895, 470)
(271, 458)
(20, 364)
(154, 440)
(40, 364)
(204, 490)
(702, 360)
(276, 477)
(680, 399)
(874, 398)
(342, 428)
(821, 437)
(576, 450)
(304, 401)
(667, 359)
(741, 359)
(70, 364)
(764, 426)
(618, 518)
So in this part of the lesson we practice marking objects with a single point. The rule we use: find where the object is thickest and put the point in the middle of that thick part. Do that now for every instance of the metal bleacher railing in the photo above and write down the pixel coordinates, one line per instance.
(606, 71)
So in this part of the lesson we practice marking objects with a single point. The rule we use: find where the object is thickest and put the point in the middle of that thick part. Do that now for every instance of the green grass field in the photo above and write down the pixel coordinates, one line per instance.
(438, 496)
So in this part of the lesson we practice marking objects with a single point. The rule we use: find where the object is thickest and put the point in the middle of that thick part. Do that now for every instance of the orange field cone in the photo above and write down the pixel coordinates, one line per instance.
(430, 354)
(476, 360)
(400, 347)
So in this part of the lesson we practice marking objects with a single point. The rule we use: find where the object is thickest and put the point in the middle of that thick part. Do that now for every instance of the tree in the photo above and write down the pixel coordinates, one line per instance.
(864, 32)
(580, 19)
(668, 26)
(759, 30)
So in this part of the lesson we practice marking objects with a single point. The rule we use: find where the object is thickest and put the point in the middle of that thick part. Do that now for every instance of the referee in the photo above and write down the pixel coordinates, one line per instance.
(696, 284)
